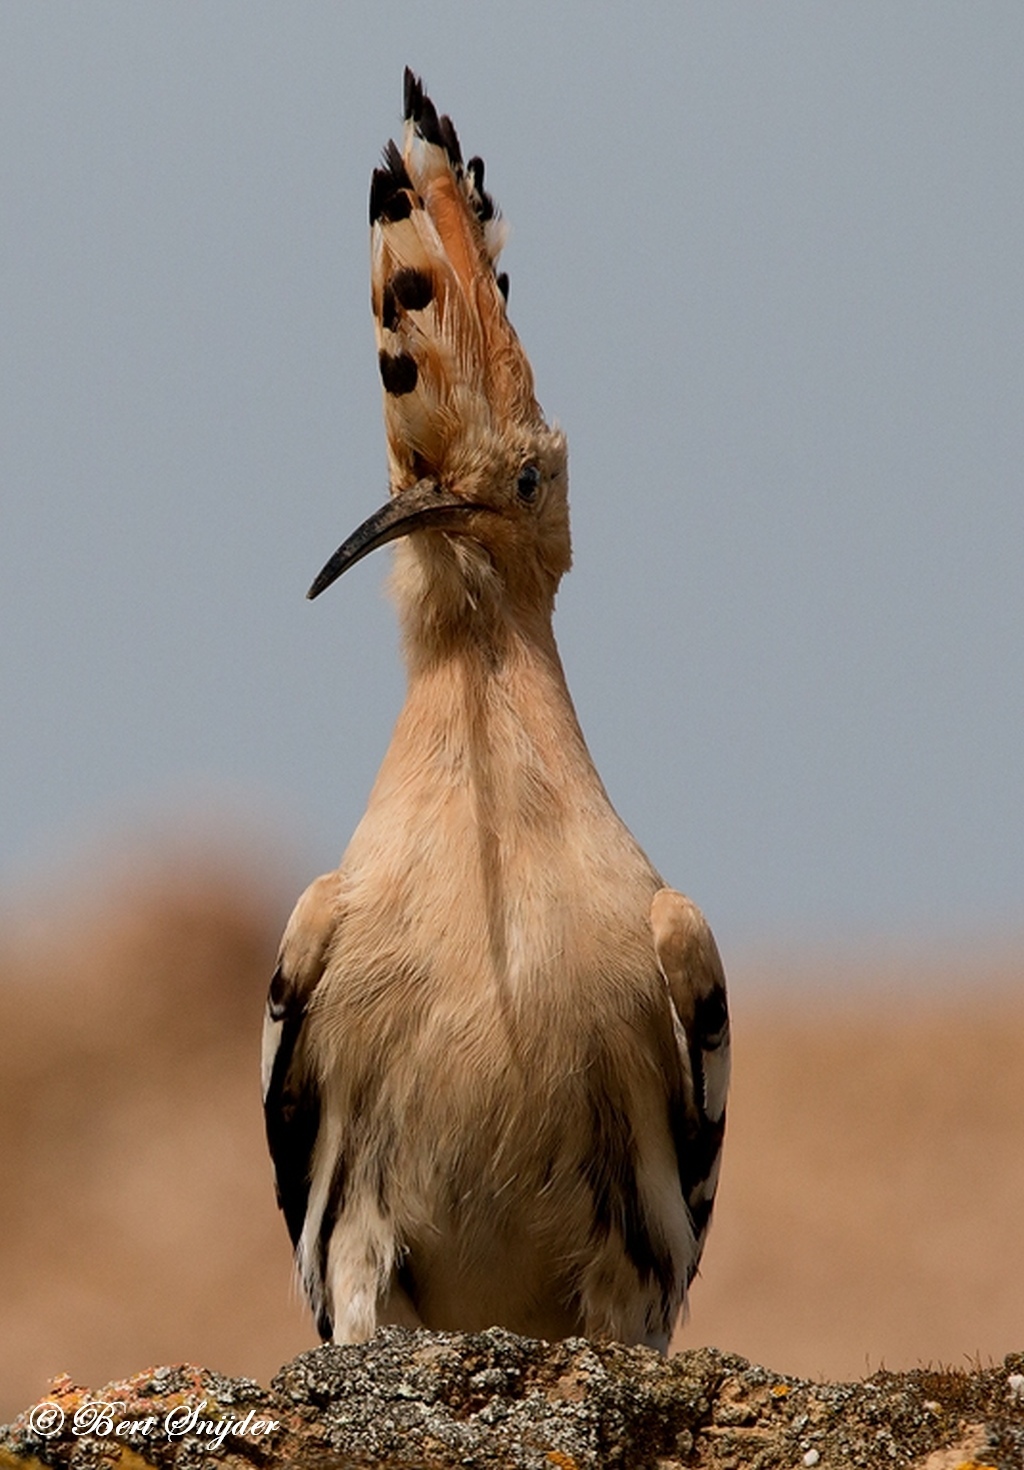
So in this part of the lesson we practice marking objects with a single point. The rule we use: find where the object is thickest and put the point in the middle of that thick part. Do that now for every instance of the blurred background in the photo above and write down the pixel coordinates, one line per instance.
(767, 264)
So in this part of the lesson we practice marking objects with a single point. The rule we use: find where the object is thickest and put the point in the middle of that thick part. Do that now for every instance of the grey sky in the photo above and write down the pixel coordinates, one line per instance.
(768, 263)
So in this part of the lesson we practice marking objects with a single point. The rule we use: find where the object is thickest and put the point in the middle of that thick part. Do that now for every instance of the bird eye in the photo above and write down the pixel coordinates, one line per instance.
(526, 486)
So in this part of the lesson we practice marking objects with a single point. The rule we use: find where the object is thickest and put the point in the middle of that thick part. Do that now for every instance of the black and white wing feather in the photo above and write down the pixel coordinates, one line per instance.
(291, 1092)
(689, 960)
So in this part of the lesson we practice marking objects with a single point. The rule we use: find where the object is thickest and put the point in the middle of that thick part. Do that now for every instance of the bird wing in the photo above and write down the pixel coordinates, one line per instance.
(291, 1095)
(689, 960)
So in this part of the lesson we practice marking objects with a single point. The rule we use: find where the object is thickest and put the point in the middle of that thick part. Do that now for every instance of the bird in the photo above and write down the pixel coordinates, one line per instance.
(496, 1045)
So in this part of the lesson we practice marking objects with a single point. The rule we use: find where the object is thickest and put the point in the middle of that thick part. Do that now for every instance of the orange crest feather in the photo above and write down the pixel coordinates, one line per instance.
(450, 362)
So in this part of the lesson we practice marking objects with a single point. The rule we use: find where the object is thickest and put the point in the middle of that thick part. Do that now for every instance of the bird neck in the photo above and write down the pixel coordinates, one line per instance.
(456, 608)
(488, 817)
(487, 706)
(502, 690)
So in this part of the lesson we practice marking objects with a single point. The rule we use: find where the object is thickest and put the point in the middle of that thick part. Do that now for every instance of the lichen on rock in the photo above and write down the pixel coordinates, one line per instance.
(418, 1400)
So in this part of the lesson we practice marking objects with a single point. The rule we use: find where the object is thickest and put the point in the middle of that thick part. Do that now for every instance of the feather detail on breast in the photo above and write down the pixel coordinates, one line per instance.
(447, 353)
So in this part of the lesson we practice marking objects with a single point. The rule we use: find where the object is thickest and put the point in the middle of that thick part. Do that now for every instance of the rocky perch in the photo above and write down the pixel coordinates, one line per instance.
(427, 1401)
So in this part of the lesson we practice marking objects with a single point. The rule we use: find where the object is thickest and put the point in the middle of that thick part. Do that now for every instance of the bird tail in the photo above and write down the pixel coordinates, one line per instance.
(450, 361)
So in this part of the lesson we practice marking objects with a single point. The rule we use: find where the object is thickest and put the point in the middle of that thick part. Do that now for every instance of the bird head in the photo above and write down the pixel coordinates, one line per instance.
(479, 483)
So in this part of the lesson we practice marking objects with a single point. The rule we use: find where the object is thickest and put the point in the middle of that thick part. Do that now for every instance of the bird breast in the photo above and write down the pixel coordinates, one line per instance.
(489, 851)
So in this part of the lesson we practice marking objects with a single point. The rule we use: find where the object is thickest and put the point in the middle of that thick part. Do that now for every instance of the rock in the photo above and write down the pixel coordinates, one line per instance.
(427, 1401)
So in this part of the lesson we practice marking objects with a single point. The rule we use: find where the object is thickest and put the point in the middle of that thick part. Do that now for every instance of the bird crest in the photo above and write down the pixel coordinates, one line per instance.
(452, 367)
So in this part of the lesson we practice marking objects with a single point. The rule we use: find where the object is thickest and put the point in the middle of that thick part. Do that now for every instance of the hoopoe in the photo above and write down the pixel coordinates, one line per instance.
(496, 1051)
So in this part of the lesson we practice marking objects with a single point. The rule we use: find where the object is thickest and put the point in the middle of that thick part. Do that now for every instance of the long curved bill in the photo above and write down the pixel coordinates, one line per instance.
(425, 505)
